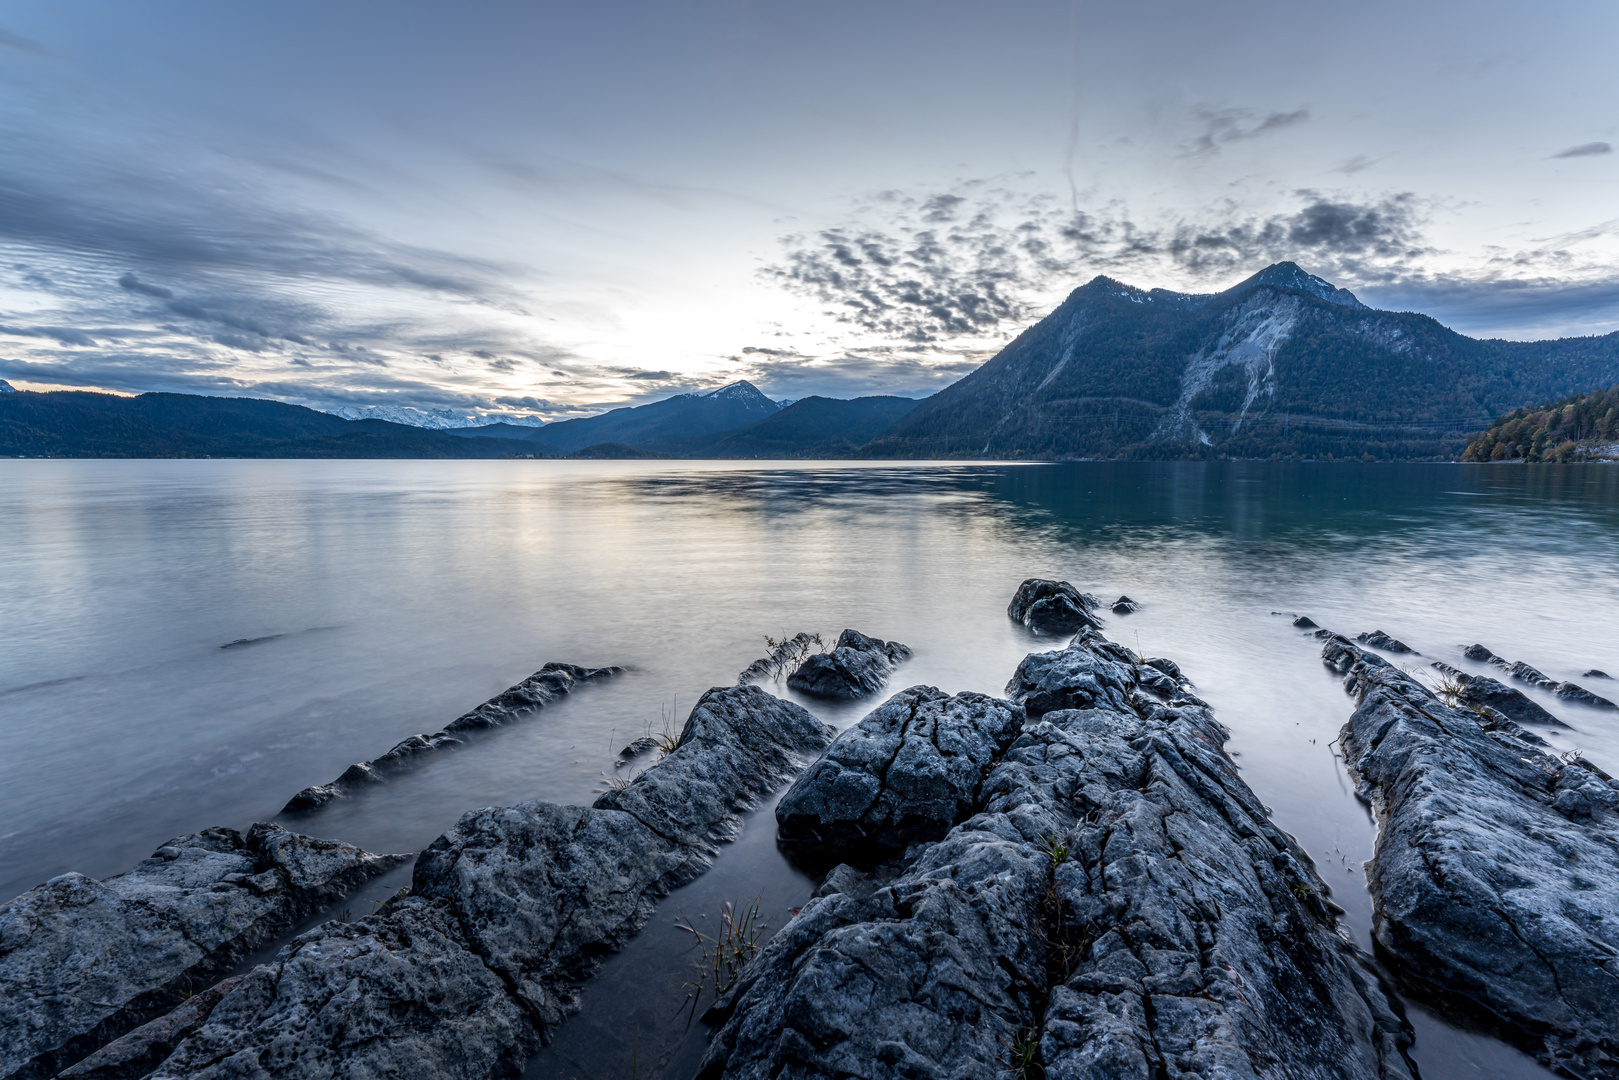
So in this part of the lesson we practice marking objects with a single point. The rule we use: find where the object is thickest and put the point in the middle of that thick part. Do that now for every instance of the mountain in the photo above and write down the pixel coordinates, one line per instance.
(1282, 364)
(1580, 427)
(732, 406)
(434, 419)
(500, 430)
(812, 427)
(72, 423)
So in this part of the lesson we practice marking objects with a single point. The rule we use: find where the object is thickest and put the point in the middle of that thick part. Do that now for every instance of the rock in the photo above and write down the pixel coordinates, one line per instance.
(1495, 881)
(1304, 622)
(546, 685)
(1479, 653)
(784, 655)
(1091, 672)
(1053, 607)
(1379, 640)
(1595, 673)
(644, 745)
(1125, 606)
(1574, 692)
(1524, 673)
(908, 772)
(857, 665)
(1481, 691)
(507, 912)
(399, 994)
(83, 961)
(145, 1048)
(1118, 905)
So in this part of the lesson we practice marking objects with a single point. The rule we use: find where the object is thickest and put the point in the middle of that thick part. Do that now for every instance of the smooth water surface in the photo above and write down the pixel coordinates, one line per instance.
(381, 599)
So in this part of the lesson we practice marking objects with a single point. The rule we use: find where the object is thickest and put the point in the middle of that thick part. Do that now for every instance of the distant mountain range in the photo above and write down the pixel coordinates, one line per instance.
(1283, 364)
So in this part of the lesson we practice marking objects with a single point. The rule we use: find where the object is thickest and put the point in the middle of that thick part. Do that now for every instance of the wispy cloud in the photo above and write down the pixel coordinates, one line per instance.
(1590, 149)
(1221, 127)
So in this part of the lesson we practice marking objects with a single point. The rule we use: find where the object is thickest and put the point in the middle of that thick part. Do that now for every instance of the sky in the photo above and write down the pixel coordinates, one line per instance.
(542, 209)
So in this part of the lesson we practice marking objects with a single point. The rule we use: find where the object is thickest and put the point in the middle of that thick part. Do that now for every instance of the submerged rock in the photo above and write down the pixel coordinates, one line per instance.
(1595, 673)
(1117, 905)
(907, 772)
(1481, 691)
(1575, 692)
(540, 689)
(1053, 607)
(856, 666)
(1479, 653)
(1495, 878)
(1379, 640)
(1125, 606)
(84, 961)
(507, 912)
(1304, 622)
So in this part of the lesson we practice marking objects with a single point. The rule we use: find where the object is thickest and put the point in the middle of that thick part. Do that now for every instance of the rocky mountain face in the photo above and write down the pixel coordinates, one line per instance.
(1282, 364)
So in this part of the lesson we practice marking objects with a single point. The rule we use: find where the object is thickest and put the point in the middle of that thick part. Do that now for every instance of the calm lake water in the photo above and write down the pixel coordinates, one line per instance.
(392, 596)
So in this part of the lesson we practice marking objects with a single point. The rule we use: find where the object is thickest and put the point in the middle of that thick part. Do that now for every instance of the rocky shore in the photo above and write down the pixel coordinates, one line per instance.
(1496, 873)
(1110, 900)
(83, 961)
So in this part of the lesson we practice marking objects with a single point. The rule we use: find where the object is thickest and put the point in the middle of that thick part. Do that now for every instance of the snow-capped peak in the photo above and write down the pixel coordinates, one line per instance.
(435, 419)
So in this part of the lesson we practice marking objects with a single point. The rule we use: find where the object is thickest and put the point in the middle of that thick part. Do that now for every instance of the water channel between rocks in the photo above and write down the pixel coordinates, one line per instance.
(380, 599)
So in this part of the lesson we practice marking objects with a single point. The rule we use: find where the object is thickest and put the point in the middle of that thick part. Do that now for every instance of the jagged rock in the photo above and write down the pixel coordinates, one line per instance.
(1119, 899)
(546, 685)
(1479, 653)
(145, 1048)
(1125, 606)
(1595, 673)
(644, 745)
(784, 655)
(1053, 607)
(1495, 878)
(857, 665)
(399, 994)
(84, 961)
(907, 772)
(507, 912)
(1304, 622)
(1379, 640)
(1092, 671)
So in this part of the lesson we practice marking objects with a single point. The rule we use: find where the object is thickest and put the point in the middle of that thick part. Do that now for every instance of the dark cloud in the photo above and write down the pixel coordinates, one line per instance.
(1224, 126)
(131, 283)
(903, 276)
(661, 376)
(65, 335)
(1590, 149)
(503, 364)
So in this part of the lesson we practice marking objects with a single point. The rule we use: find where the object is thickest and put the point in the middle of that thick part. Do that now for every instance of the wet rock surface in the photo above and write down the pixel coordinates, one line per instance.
(1117, 905)
(1495, 877)
(854, 667)
(1053, 607)
(507, 912)
(907, 772)
(83, 961)
(1124, 606)
(1379, 640)
(551, 682)
(1091, 672)
(1304, 622)
(1522, 672)
(1595, 673)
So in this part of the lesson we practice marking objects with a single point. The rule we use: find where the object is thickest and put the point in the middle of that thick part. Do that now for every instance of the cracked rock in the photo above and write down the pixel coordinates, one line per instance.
(907, 772)
(84, 961)
(1118, 901)
(856, 666)
(1495, 878)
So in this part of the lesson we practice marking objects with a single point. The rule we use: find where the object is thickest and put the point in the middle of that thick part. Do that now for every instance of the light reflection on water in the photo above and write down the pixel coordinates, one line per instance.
(405, 592)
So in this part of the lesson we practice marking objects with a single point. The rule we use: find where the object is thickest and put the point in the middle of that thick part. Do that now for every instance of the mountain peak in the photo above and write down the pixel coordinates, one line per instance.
(7, 388)
(742, 392)
(1289, 275)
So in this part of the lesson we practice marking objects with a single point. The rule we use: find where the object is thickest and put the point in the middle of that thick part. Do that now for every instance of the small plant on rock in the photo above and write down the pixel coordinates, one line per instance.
(725, 952)
(1023, 1055)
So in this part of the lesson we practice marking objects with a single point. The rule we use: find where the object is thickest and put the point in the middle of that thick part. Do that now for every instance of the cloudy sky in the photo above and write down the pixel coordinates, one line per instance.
(543, 208)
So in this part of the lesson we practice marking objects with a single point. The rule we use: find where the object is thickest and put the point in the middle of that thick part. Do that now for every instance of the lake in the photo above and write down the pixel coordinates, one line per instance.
(377, 599)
